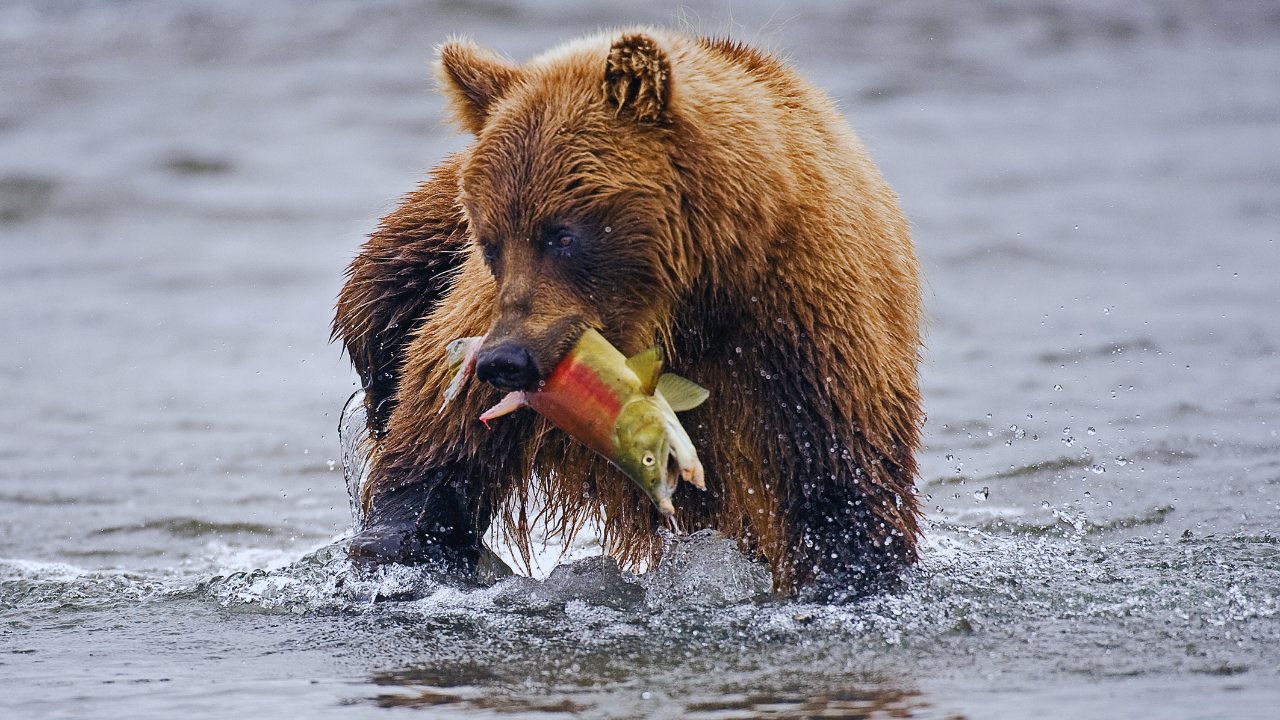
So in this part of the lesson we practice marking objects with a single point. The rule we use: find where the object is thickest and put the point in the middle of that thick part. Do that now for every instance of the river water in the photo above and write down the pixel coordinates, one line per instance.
(1095, 192)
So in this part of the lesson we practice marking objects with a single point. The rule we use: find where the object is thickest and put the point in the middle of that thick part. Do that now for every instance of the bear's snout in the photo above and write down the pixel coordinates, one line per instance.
(508, 366)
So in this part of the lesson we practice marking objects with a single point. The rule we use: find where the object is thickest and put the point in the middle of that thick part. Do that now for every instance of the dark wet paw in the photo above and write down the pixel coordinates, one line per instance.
(432, 524)
(383, 545)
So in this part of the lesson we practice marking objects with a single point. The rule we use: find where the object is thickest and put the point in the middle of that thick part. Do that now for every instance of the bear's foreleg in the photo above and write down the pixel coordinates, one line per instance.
(843, 550)
(396, 281)
(438, 520)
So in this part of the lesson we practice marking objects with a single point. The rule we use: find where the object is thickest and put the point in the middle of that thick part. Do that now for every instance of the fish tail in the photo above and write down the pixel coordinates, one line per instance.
(454, 386)
(462, 354)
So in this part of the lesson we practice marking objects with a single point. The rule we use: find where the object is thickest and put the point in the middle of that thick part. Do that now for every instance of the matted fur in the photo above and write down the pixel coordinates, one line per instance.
(728, 212)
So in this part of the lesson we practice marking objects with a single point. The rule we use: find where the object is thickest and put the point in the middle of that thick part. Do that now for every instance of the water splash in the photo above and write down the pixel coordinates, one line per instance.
(353, 436)
(704, 628)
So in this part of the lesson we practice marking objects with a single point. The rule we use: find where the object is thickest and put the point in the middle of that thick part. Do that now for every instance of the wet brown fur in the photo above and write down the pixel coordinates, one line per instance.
(748, 233)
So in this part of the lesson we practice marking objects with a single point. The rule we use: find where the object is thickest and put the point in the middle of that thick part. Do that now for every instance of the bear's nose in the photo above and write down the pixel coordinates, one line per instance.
(507, 366)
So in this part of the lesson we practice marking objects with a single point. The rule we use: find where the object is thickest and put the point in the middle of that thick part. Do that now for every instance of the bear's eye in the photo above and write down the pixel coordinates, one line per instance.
(488, 251)
(558, 238)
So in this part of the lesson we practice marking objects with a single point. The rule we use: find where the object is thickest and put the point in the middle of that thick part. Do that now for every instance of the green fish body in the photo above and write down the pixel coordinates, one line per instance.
(624, 409)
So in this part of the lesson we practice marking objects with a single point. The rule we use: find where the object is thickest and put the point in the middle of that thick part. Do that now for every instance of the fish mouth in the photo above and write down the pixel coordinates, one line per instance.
(691, 473)
(671, 477)
(661, 494)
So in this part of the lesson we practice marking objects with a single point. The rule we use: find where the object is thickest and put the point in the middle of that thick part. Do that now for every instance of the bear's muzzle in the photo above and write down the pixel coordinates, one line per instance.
(508, 366)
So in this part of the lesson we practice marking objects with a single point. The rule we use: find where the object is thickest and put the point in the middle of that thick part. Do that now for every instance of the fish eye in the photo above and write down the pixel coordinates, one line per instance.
(648, 459)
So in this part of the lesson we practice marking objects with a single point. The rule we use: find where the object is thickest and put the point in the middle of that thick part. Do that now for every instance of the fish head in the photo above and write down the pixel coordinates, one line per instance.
(643, 451)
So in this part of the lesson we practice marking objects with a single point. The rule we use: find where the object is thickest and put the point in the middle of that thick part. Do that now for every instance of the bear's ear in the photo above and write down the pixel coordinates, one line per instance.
(474, 79)
(637, 78)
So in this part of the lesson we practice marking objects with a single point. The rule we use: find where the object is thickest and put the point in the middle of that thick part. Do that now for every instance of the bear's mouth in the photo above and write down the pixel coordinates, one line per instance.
(518, 361)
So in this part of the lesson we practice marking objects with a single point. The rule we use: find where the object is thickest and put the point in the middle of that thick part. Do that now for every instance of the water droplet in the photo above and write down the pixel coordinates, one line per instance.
(1091, 431)
(982, 494)
(1057, 387)
(1068, 441)
(608, 229)
(1097, 469)
(1122, 461)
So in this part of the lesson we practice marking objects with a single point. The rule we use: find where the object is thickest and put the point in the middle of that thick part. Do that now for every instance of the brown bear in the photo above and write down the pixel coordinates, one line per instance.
(691, 192)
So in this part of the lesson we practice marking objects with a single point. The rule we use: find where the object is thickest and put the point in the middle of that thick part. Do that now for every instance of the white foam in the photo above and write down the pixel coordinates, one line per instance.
(17, 569)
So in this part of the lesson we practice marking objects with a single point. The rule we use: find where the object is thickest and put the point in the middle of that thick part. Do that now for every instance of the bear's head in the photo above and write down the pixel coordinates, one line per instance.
(570, 196)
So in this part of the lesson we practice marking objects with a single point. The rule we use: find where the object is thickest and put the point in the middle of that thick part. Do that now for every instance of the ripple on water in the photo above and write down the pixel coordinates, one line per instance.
(704, 622)
(703, 630)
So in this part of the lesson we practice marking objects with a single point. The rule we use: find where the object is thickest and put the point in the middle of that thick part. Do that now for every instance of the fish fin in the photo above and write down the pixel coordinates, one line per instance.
(648, 366)
(681, 394)
(509, 403)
